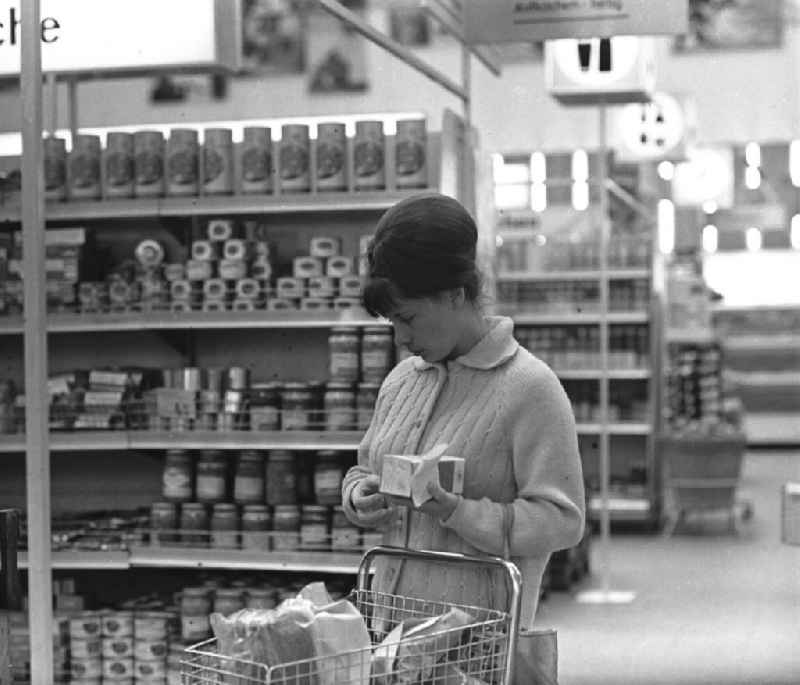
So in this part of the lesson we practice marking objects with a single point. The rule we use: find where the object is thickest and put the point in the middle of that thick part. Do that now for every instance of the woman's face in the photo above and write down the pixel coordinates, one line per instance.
(429, 326)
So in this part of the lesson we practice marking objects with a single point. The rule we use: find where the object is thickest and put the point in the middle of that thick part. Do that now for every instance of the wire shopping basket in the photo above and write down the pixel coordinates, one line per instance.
(481, 652)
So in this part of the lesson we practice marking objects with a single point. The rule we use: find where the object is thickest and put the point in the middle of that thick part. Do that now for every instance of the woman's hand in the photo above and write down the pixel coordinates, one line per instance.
(443, 503)
(370, 505)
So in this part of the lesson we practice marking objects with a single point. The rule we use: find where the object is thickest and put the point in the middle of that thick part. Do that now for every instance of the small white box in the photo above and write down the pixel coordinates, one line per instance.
(324, 246)
(350, 286)
(399, 471)
(321, 286)
(199, 270)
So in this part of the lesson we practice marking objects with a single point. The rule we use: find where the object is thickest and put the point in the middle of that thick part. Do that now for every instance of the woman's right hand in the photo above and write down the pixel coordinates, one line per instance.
(372, 507)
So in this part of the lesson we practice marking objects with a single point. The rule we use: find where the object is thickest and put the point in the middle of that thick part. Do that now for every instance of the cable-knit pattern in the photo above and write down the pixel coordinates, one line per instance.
(506, 414)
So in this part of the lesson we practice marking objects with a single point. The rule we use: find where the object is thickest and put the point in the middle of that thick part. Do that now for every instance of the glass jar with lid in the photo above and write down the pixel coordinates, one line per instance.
(212, 471)
(328, 474)
(177, 476)
(194, 523)
(377, 353)
(225, 526)
(297, 406)
(286, 527)
(314, 527)
(265, 406)
(256, 523)
(248, 482)
(339, 403)
(281, 480)
(344, 348)
(228, 600)
(366, 397)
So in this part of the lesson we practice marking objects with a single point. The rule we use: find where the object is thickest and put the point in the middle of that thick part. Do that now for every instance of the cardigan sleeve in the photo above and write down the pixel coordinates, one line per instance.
(549, 507)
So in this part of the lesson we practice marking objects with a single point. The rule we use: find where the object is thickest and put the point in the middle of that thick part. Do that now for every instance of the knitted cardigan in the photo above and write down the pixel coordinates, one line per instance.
(505, 412)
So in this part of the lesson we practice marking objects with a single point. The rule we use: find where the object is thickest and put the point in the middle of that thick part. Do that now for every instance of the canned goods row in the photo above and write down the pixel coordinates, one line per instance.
(286, 527)
(141, 625)
(367, 355)
(146, 164)
(253, 478)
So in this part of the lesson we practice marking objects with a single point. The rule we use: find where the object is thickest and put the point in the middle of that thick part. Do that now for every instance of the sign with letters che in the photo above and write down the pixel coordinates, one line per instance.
(509, 21)
(97, 36)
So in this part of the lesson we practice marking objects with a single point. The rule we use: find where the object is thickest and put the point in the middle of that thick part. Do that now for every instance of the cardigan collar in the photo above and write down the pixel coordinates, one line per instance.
(492, 350)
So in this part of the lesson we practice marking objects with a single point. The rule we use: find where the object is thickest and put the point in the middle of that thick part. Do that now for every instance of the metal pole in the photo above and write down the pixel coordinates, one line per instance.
(605, 457)
(72, 99)
(52, 94)
(37, 455)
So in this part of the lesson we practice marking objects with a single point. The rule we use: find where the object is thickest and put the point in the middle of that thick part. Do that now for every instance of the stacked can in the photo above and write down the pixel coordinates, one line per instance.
(218, 161)
(84, 168)
(55, 168)
(86, 661)
(150, 647)
(256, 160)
(118, 163)
(117, 646)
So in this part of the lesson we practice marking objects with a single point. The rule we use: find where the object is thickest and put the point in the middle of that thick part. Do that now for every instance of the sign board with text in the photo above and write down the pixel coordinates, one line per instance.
(509, 21)
(105, 36)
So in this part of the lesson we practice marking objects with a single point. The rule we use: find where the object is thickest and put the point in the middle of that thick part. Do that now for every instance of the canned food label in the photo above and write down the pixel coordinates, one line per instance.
(214, 165)
(182, 167)
(148, 167)
(55, 173)
(343, 538)
(410, 157)
(344, 364)
(264, 418)
(150, 650)
(247, 488)
(368, 157)
(330, 160)
(376, 360)
(294, 161)
(177, 483)
(327, 481)
(195, 627)
(296, 419)
(119, 169)
(256, 164)
(340, 419)
(313, 533)
(210, 487)
(86, 668)
(84, 171)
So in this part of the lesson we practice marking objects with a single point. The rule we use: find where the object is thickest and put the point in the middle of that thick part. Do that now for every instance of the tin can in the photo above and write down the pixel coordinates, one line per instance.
(148, 163)
(256, 523)
(237, 378)
(117, 624)
(297, 406)
(182, 162)
(218, 161)
(410, 154)
(211, 480)
(177, 476)
(281, 482)
(369, 159)
(366, 397)
(150, 672)
(295, 158)
(343, 346)
(194, 524)
(85, 649)
(344, 535)
(117, 647)
(256, 160)
(225, 526)
(195, 610)
(314, 527)
(339, 405)
(118, 165)
(149, 650)
(377, 352)
(55, 168)
(117, 669)
(86, 669)
(84, 167)
(331, 149)
(85, 625)
(286, 527)
(265, 407)
(248, 482)
(228, 601)
(328, 475)
(163, 521)
(260, 598)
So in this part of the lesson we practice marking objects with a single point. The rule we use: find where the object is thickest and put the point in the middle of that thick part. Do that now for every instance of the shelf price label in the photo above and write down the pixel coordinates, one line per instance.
(95, 36)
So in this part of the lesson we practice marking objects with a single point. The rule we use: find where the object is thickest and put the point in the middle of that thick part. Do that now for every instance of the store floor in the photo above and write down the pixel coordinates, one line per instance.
(711, 608)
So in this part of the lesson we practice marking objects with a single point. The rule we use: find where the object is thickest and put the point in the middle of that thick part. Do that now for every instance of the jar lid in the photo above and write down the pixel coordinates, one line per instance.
(164, 505)
(383, 329)
(296, 385)
(287, 509)
(229, 592)
(281, 455)
(369, 385)
(224, 507)
(260, 592)
(315, 509)
(195, 591)
(193, 506)
(252, 455)
(328, 454)
(178, 453)
(211, 454)
(255, 509)
(344, 330)
(339, 385)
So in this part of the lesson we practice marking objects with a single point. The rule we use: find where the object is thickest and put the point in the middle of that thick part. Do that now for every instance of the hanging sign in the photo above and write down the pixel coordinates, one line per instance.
(593, 70)
(656, 130)
(92, 36)
(509, 21)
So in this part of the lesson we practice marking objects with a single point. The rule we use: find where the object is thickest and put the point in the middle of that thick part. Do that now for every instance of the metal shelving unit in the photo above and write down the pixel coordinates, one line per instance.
(570, 275)
(533, 319)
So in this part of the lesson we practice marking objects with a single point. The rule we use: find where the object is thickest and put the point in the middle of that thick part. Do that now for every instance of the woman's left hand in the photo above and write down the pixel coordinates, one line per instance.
(443, 503)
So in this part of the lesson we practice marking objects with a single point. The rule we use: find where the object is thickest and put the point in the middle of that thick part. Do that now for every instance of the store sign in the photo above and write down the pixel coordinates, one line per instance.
(612, 70)
(656, 130)
(101, 35)
(509, 21)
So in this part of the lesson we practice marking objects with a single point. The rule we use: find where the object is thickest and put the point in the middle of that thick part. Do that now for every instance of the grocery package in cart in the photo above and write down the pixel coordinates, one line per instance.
(402, 640)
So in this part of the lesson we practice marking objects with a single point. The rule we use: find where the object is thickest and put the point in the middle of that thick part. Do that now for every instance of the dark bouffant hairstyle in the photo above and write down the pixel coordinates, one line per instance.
(422, 245)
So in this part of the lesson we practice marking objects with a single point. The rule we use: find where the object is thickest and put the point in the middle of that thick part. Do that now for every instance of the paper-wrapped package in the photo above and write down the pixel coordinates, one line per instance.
(406, 477)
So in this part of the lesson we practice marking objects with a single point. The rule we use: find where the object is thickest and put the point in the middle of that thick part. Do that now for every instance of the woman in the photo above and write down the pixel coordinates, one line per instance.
(470, 385)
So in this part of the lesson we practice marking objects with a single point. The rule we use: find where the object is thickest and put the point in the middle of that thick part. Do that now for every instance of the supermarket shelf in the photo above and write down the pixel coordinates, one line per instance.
(228, 205)
(84, 559)
(570, 275)
(638, 509)
(533, 319)
(190, 440)
(596, 374)
(134, 321)
(630, 428)
(245, 560)
(690, 336)
(778, 341)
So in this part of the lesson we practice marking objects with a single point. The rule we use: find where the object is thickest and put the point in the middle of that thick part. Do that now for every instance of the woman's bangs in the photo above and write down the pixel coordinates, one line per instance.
(379, 297)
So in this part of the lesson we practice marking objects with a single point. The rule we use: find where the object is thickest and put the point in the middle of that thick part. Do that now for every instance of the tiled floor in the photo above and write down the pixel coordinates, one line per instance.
(710, 607)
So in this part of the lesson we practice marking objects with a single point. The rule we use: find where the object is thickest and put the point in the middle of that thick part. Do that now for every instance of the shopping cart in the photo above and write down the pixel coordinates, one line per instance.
(481, 652)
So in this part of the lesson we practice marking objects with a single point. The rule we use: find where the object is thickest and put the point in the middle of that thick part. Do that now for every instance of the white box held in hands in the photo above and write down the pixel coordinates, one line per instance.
(407, 476)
